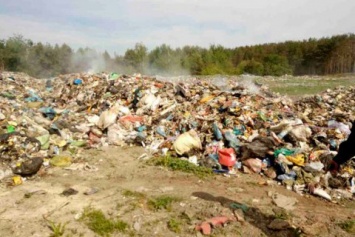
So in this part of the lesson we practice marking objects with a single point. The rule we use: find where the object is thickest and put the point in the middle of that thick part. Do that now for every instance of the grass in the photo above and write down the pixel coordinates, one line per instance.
(300, 86)
(348, 226)
(177, 164)
(177, 223)
(174, 225)
(162, 202)
(98, 223)
(57, 229)
(138, 199)
(282, 216)
(134, 194)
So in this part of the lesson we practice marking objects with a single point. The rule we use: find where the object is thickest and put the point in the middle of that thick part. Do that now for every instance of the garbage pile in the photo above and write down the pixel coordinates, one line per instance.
(227, 125)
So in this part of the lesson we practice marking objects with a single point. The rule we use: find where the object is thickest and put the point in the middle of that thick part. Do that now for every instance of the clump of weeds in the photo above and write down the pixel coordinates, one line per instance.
(162, 202)
(98, 223)
(178, 164)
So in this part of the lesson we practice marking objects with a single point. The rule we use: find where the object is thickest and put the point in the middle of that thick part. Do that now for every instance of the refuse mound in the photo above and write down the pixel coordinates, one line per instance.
(227, 125)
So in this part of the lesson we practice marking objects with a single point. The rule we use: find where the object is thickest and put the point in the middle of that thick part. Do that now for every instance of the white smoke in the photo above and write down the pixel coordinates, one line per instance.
(248, 82)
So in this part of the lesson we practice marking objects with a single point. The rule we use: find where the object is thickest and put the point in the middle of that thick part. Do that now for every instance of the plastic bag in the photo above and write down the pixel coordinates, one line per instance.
(301, 133)
(296, 159)
(227, 157)
(232, 139)
(254, 164)
(217, 132)
(187, 141)
(108, 117)
(342, 127)
(283, 151)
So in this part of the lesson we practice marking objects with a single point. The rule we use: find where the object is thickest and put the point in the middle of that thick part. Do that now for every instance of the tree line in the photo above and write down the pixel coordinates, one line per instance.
(328, 55)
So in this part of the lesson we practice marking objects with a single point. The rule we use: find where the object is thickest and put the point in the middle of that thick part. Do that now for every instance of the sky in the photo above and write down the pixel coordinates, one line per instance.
(116, 25)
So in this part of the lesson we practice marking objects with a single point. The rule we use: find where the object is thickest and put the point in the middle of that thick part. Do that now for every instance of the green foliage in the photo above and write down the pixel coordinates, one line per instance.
(162, 202)
(181, 165)
(136, 58)
(174, 225)
(250, 67)
(313, 56)
(282, 215)
(212, 69)
(276, 65)
(97, 222)
(129, 193)
(57, 229)
(348, 226)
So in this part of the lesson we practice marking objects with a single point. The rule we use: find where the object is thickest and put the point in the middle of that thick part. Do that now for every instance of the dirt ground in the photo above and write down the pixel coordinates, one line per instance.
(124, 185)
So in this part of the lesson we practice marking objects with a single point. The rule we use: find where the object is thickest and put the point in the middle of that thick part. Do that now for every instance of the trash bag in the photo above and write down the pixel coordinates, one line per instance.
(301, 133)
(296, 159)
(342, 127)
(232, 140)
(227, 157)
(150, 101)
(259, 148)
(254, 164)
(115, 134)
(28, 167)
(108, 118)
(187, 141)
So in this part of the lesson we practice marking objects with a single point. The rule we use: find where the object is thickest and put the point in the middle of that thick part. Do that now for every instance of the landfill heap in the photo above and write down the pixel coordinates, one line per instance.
(228, 125)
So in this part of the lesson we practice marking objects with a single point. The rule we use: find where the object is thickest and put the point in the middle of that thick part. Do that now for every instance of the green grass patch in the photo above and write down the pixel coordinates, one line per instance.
(98, 223)
(348, 226)
(134, 194)
(57, 229)
(178, 164)
(282, 216)
(174, 225)
(301, 86)
(137, 200)
(162, 202)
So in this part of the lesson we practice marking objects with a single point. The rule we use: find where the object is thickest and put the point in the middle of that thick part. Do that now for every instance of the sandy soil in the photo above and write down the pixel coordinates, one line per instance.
(114, 170)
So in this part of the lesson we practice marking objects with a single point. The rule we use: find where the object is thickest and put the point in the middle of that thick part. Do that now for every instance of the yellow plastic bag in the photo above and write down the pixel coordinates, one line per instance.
(17, 180)
(296, 159)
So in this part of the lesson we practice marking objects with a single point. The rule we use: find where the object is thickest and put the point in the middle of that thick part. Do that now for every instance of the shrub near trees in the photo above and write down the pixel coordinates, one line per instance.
(328, 55)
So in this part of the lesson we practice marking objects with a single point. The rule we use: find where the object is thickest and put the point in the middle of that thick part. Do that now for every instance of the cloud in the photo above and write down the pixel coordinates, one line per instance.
(118, 25)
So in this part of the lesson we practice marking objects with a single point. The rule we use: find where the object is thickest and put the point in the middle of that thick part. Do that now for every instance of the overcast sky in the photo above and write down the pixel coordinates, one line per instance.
(116, 25)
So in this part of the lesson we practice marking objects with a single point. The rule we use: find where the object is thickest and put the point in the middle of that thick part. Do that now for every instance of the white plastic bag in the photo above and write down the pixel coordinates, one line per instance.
(108, 117)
